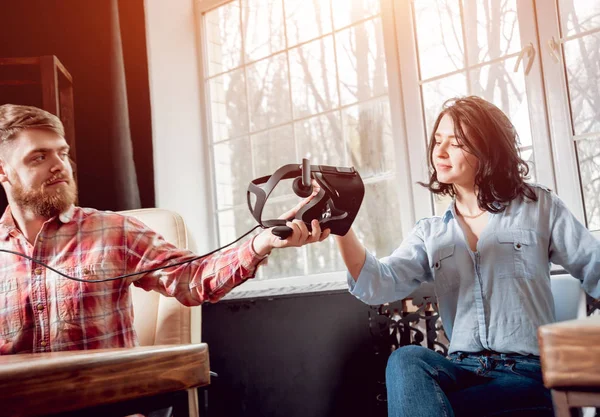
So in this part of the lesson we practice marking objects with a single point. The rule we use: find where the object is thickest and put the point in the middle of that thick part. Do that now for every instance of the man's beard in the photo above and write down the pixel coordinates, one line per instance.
(46, 202)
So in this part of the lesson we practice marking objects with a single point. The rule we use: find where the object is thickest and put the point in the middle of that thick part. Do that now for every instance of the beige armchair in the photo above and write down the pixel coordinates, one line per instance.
(161, 320)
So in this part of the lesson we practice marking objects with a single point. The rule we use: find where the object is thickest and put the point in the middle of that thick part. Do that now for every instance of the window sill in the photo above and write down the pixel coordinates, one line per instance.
(279, 287)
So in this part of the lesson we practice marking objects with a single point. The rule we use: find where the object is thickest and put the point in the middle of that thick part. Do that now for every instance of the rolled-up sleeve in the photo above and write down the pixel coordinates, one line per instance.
(396, 276)
(573, 247)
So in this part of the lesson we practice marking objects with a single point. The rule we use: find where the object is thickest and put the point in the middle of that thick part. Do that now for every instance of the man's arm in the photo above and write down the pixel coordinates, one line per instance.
(206, 279)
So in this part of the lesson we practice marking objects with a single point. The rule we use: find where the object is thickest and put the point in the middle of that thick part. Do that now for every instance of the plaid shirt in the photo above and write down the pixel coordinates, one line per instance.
(41, 311)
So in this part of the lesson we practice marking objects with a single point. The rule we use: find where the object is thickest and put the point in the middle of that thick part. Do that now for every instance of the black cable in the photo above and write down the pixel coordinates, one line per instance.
(134, 273)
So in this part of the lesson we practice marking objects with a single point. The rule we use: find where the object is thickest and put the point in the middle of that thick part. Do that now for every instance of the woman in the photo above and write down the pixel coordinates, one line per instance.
(489, 258)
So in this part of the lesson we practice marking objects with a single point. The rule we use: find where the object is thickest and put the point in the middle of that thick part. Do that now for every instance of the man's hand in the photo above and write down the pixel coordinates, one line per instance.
(266, 241)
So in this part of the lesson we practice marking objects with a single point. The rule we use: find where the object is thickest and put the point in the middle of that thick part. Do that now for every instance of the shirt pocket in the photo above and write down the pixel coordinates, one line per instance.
(11, 319)
(445, 273)
(82, 300)
(518, 254)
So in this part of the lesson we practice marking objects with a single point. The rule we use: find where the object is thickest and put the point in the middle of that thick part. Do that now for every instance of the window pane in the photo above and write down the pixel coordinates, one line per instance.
(435, 93)
(263, 28)
(528, 156)
(324, 257)
(346, 12)
(312, 69)
(306, 20)
(271, 150)
(500, 85)
(320, 139)
(579, 16)
(234, 223)
(492, 28)
(223, 38)
(439, 36)
(233, 171)
(268, 92)
(367, 130)
(228, 109)
(361, 62)
(589, 167)
(377, 224)
(583, 72)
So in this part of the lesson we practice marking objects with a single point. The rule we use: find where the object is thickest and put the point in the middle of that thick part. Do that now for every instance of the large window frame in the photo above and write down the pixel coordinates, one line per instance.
(556, 159)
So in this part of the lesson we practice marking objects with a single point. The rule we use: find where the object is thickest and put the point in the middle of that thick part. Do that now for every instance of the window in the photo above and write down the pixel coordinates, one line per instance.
(359, 83)
(287, 79)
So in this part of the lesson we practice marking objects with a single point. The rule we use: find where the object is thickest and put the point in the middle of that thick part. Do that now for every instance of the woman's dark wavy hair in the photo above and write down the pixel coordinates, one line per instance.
(487, 133)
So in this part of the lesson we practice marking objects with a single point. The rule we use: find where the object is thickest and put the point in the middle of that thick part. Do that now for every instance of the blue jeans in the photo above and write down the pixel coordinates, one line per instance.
(421, 382)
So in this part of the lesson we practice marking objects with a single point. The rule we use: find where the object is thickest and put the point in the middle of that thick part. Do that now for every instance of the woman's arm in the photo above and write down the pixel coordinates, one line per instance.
(353, 252)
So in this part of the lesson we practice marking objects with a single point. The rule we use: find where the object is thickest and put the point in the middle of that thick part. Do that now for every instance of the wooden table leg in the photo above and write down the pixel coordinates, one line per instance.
(561, 405)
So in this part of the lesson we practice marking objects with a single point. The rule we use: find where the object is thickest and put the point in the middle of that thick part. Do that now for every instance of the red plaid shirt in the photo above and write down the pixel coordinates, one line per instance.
(41, 311)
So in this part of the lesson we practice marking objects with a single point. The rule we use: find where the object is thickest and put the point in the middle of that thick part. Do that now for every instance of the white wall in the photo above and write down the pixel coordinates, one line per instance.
(181, 168)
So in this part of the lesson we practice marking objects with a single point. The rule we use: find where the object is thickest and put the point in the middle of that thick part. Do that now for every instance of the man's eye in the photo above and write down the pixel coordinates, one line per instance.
(39, 158)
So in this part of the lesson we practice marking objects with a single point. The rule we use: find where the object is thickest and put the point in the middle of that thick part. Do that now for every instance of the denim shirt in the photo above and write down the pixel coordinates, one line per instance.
(497, 297)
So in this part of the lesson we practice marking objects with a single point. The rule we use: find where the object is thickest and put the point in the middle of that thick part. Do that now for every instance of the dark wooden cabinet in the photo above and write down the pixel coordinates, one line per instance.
(44, 82)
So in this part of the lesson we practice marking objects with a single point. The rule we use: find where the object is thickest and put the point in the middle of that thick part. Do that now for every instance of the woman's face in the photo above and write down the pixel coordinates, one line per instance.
(452, 161)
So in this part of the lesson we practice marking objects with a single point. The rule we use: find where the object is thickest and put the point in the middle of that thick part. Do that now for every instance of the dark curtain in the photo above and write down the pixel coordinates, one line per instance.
(102, 43)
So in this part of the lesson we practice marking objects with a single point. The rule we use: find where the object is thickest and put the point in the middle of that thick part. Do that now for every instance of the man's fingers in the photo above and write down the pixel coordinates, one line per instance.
(304, 233)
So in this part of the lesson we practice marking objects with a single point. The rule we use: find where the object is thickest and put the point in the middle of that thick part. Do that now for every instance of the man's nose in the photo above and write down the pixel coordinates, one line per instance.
(59, 164)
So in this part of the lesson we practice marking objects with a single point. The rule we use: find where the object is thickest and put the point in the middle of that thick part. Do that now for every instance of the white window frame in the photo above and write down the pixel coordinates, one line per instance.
(332, 281)
(556, 162)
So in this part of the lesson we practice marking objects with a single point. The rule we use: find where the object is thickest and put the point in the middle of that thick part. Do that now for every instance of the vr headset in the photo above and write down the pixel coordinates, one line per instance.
(335, 206)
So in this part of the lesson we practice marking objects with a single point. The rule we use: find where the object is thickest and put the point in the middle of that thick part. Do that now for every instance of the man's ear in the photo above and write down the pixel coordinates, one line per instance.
(3, 172)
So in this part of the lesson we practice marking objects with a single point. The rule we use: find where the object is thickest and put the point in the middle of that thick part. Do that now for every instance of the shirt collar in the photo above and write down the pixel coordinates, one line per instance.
(7, 222)
(449, 213)
(451, 210)
(67, 215)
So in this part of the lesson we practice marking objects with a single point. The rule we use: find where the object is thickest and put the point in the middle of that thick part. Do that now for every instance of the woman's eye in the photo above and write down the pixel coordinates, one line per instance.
(457, 145)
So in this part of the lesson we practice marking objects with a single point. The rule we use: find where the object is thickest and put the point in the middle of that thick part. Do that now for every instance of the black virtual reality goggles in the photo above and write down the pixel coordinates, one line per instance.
(335, 206)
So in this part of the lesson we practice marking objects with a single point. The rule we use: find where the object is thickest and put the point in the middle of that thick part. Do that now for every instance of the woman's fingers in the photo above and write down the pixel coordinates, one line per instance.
(292, 212)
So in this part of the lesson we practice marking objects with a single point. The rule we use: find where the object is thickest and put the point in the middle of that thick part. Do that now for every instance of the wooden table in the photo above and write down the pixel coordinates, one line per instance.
(570, 355)
(48, 383)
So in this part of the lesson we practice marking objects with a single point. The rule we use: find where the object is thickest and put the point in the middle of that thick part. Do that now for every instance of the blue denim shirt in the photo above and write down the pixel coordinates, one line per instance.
(497, 297)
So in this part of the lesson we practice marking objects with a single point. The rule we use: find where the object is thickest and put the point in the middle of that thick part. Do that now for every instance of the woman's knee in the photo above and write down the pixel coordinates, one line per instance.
(408, 357)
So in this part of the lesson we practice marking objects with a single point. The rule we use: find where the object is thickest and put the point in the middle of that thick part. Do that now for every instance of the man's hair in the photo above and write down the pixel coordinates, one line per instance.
(14, 119)
(487, 133)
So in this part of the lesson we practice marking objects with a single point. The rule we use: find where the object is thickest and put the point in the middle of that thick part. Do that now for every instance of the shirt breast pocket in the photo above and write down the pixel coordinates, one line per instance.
(11, 320)
(445, 273)
(518, 254)
(86, 299)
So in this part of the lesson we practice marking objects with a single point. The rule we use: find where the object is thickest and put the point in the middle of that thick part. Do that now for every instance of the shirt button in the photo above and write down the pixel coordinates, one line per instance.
(40, 307)
(86, 271)
(40, 239)
(437, 265)
(38, 271)
(43, 343)
(517, 246)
